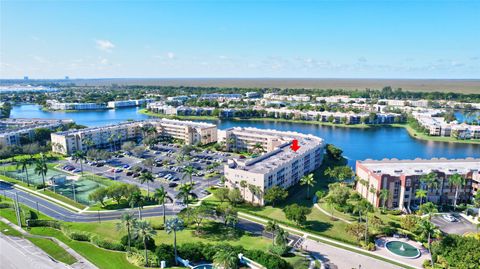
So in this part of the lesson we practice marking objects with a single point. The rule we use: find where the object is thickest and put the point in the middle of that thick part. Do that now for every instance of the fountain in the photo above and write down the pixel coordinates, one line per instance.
(402, 249)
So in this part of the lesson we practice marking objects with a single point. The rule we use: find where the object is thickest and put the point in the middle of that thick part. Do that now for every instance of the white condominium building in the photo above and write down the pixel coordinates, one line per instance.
(128, 103)
(56, 105)
(112, 136)
(279, 166)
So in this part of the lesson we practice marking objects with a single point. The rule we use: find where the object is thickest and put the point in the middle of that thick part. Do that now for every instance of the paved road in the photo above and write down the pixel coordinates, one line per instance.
(58, 212)
(334, 257)
(337, 258)
(460, 227)
(19, 253)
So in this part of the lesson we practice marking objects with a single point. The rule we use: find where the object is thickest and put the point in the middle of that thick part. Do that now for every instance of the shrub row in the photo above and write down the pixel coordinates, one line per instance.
(44, 223)
(137, 258)
(5, 205)
(106, 244)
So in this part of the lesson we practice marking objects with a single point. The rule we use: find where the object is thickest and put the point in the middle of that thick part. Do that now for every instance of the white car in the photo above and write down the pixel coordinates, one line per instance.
(449, 218)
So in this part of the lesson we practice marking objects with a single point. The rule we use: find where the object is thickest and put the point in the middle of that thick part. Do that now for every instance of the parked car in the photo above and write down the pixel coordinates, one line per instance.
(449, 218)
(172, 184)
(77, 170)
(129, 173)
(126, 166)
(136, 175)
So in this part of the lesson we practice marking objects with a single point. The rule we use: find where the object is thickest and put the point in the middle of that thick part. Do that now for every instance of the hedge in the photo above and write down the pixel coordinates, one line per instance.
(106, 244)
(44, 223)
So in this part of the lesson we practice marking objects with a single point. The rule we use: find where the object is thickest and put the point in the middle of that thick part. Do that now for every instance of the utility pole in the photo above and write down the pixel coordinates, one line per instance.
(73, 190)
(37, 208)
(17, 211)
(98, 212)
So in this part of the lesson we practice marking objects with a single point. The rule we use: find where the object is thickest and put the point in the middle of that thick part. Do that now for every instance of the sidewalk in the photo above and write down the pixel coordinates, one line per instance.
(352, 250)
(81, 263)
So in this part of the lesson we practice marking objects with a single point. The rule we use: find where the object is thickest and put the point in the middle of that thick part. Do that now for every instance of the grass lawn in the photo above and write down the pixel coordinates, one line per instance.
(7, 230)
(210, 234)
(100, 257)
(53, 250)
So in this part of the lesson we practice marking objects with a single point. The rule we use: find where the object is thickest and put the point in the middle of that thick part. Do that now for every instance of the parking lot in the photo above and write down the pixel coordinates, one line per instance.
(458, 226)
(167, 170)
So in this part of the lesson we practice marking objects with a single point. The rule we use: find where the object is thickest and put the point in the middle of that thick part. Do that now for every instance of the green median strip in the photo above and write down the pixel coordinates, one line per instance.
(53, 250)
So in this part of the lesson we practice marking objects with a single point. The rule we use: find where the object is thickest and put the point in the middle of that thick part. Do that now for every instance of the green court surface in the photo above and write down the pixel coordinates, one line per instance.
(63, 185)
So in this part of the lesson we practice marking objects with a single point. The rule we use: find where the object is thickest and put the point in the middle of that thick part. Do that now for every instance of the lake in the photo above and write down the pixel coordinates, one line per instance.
(358, 144)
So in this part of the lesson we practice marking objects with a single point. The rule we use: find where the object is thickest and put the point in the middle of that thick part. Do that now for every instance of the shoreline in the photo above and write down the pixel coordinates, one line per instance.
(413, 133)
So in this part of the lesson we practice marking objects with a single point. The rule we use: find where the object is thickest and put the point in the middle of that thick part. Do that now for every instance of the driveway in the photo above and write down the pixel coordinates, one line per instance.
(460, 227)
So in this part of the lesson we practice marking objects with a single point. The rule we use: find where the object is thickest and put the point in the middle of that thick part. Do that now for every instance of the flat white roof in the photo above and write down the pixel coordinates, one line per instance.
(422, 166)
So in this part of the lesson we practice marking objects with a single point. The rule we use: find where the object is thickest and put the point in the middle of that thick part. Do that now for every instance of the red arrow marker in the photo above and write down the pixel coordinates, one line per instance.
(295, 145)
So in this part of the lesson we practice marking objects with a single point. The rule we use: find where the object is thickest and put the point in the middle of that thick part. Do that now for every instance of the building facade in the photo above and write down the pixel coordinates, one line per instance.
(112, 136)
(128, 103)
(15, 130)
(279, 166)
(56, 105)
(402, 179)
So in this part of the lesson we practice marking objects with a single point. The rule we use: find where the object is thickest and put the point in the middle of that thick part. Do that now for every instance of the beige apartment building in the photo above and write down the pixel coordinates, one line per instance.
(112, 136)
(15, 130)
(402, 179)
(279, 166)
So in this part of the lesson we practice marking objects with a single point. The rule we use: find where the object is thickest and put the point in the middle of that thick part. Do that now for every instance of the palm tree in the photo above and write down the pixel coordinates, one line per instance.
(271, 227)
(282, 237)
(420, 194)
(144, 230)
(79, 156)
(111, 140)
(174, 225)
(231, 142)
(258, 147)
(373, 191)
(161, 195)
(384, 196)
(185, 192)
(429, 230)
(253, 189)
(309, 181)
(188, 171)
(429, 181)
(127, 222)
(147, 177)
(137, 200)
(24, 164)
(458, 181)
(244, 185)
(41, 168)
(225, 259)
(149, 162)
(429, 208)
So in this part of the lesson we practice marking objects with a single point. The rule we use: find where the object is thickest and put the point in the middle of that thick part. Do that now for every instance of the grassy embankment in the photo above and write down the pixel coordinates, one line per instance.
(47, 245)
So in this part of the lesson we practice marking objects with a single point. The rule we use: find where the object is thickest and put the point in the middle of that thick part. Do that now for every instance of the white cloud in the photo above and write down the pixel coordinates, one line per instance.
(103, 61)
(105, 45)
(170, 55)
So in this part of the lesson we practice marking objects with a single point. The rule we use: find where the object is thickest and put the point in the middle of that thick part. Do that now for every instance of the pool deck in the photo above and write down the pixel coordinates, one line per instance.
(417, 262)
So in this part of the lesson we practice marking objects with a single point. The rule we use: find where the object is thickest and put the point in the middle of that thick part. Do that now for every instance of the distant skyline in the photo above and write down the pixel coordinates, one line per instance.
(315, 39)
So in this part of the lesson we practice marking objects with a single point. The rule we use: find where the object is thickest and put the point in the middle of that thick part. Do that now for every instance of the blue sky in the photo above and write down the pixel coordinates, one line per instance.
(321, 39)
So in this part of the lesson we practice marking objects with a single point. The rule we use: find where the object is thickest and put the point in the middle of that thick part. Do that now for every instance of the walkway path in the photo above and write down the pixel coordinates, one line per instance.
(330, 215)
